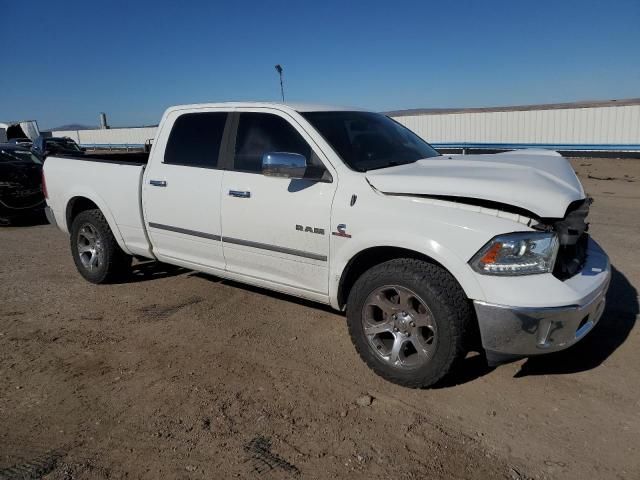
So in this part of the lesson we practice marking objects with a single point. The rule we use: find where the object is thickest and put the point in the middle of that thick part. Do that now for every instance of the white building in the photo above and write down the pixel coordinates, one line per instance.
(610, 125)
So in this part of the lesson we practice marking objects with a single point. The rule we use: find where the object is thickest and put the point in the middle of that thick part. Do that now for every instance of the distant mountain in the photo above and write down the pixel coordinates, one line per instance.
(71, 126)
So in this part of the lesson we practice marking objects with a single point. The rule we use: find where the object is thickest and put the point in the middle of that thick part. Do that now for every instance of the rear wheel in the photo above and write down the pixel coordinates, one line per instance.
(95, 251)
(407, 319)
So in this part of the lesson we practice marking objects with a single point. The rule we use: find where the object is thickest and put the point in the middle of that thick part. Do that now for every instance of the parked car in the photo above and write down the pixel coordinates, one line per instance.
(20, 183)
(429, 255)
(23, 142)
(45, 146)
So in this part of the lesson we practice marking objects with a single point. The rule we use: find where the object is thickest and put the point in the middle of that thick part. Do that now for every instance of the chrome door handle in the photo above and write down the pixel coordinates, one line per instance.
(239, 194)
(158, 183)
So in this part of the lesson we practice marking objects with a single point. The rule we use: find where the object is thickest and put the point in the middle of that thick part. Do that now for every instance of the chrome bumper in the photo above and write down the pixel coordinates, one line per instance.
(509, 331)
(51, 218)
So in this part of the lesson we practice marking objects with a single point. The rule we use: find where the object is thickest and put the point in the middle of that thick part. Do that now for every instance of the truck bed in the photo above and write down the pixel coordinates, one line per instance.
(112, 182)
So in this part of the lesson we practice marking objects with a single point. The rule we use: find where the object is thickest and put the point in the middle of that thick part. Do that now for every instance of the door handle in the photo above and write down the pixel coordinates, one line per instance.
(239, 194)
(158, 183)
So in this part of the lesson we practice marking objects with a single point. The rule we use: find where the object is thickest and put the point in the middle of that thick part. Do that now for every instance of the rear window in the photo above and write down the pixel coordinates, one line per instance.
(195, 139)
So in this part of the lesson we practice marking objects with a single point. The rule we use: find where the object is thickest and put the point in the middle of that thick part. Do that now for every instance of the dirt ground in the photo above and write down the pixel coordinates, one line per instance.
(175, 374)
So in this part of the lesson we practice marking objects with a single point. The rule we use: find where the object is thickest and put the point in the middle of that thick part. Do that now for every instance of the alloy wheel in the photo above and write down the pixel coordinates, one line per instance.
(399, 326)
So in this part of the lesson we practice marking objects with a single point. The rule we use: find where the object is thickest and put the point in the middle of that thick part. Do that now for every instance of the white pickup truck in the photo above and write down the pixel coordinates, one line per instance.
(430, 255)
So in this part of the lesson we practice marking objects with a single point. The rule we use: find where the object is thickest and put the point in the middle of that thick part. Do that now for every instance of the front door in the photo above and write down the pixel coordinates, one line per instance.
(275, 229)
(181, 191)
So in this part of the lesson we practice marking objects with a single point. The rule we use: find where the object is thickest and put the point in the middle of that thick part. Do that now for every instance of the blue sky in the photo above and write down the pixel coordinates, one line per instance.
(66, 61)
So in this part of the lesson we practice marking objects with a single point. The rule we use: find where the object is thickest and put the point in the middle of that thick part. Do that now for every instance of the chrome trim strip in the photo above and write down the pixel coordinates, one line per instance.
(237, 241)
(273, 248)
(185, 231)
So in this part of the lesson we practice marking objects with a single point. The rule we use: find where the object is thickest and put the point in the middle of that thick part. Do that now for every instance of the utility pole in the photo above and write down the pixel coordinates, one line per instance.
(279, 70)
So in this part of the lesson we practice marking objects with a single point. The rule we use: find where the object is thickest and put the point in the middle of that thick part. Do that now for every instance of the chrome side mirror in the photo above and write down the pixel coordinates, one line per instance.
(283, 164)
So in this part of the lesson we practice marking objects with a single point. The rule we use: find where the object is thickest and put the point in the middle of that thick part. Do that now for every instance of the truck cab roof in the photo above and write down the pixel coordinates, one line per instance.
(294, 106)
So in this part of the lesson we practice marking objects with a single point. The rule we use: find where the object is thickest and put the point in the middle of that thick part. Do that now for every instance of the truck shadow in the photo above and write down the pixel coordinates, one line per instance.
(611, 331)
(151, 270)
(472, 367)
(267, 292)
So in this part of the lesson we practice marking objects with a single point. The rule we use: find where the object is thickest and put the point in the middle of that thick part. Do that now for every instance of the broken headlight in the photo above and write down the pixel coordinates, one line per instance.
(520, 253)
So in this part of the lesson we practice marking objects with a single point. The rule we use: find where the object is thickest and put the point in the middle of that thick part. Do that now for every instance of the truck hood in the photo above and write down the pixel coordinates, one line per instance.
(539, 181)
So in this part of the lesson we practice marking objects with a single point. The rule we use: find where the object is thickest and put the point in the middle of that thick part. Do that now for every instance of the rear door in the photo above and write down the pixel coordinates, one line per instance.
(276, 229)
(181, 190)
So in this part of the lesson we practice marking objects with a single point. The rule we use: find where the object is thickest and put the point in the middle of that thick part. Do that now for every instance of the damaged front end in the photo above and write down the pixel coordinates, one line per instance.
(571, 230)
(573, 238)
(513, 329)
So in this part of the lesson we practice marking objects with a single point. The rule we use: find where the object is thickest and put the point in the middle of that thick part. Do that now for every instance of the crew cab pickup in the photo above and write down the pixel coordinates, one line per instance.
(430, 255)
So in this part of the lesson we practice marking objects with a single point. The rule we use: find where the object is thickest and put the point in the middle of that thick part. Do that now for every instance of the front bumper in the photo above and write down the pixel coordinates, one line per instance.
(511, 331)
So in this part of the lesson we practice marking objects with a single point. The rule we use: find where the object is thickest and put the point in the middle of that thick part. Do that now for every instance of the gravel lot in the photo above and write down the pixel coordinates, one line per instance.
(180, 375)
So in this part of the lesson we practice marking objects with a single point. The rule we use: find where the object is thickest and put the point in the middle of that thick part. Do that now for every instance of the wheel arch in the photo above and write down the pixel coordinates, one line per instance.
(80, 203)
(375, 255)
(75, 206)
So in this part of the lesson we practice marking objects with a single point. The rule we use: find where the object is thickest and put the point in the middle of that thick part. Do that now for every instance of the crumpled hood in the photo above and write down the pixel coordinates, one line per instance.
(539, 181)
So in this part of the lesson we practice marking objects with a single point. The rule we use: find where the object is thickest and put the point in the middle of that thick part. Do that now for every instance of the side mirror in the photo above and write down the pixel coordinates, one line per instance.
(283, 164)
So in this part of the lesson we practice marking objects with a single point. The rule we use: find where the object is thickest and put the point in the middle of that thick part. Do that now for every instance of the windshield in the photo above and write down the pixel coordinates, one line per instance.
(10, 155)
(367, 141)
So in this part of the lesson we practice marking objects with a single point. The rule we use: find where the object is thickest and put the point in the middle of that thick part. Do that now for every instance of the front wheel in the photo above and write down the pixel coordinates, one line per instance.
(95, 251)
(407, 318)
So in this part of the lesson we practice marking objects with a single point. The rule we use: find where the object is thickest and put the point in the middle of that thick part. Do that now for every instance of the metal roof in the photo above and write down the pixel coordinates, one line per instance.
(517, 108)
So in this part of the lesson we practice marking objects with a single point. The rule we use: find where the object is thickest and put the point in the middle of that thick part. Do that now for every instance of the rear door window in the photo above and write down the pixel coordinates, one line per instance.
(195, 139)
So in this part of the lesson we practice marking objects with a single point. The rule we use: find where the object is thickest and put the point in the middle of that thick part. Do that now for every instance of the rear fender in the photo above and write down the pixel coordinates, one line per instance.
(102, 205)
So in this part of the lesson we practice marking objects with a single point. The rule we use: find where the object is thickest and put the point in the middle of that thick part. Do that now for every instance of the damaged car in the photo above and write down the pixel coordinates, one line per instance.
(20, 184)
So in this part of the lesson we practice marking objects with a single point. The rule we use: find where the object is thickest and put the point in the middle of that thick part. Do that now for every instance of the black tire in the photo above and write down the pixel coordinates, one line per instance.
(448, 310)
(113, 262)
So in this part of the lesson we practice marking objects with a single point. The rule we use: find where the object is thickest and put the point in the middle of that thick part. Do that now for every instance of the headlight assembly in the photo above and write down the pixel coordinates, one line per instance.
(520, 253)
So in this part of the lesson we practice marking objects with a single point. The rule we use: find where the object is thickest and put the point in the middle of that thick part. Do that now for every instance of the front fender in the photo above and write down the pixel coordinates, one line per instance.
(348, 248)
